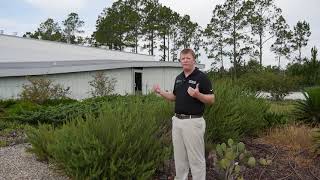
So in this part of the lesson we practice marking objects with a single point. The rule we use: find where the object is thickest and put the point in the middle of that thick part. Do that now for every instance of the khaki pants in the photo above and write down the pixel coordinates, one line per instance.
(188, 147)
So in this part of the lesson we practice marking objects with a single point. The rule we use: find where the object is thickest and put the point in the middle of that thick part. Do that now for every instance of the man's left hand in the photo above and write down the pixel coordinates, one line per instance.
(194, 92)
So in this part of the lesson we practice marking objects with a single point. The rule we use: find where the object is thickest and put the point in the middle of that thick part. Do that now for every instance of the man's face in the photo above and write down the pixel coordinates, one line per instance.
(187, 61)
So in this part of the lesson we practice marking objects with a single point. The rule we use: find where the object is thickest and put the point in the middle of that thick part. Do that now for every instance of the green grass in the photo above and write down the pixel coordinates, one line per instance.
(282, 107)
(281, 112)
(7, 129)
(3, 143)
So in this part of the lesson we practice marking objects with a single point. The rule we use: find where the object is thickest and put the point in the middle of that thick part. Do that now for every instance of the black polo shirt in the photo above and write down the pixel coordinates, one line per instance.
(185, 104)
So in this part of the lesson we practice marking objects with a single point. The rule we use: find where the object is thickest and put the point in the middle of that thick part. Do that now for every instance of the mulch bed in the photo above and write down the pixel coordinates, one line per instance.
(286, 165)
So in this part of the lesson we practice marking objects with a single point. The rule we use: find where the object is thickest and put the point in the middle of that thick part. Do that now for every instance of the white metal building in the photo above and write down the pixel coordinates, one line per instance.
(74, 66)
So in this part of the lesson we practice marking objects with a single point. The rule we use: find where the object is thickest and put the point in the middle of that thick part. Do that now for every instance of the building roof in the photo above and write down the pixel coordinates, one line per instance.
(19, 49)
(56, 67)
(27, 57)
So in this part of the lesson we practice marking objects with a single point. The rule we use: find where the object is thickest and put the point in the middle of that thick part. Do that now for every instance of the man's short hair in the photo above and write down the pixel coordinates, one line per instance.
(188, 51)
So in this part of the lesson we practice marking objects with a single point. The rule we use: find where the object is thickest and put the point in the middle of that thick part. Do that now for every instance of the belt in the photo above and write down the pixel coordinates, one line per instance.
(185, 116)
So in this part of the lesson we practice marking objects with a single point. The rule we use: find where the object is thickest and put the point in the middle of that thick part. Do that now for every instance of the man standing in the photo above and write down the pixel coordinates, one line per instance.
(192, 90)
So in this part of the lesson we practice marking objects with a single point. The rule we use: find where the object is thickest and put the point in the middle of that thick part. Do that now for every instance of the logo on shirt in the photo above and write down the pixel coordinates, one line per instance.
(192, 82)
(178, 81)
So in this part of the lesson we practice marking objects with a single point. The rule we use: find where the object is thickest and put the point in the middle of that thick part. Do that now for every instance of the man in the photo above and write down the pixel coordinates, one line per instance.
(192, 90)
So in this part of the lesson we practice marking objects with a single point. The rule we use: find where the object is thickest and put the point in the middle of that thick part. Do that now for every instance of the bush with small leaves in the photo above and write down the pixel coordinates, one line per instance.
(102, 85)
(41, 89)
(119, 141)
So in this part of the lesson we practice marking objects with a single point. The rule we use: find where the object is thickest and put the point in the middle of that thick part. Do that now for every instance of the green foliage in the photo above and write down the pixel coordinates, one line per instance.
(214, 45)
(187, 31)
(7, 103)
(11, 133)
(316, 141)
(48, 30)
(3, 143)
(309, 70)
(6, 127)
(234, 12)
(235, 113)
(280, 112)
(262, 22)
(123, 141)
(274, 119)
(41, 89)
(300, 37)
(55, 102)
(77, 150)
(308, 110)
(281, 46)
(21, 106)
(72, 26)
(102, 85)
(278, 85)
(51, 111)
(3, 125)
(127, 23)
(40, 138)
(117, 25)
(51, 114)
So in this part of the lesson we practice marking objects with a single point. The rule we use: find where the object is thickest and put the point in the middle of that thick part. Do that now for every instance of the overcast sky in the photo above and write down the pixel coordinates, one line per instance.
(25, 15)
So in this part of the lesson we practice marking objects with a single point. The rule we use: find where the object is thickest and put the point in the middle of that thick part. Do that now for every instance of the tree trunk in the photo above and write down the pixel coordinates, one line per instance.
(174, 48)
(152, 42)
(260, 46)
(234, 42)
(168, 47)
(221, 56)
(164, 47)
(136, 44)
(300, 54)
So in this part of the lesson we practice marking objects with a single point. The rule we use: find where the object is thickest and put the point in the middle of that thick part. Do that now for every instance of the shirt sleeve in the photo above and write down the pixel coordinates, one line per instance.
(205, 86)
(174, 87)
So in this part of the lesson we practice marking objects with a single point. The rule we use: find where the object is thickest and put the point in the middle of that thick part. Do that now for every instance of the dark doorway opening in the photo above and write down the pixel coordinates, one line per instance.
(138, 82)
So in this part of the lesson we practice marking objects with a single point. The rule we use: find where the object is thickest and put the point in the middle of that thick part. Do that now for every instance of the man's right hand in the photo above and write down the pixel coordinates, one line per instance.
(156, 89)
(168, 95)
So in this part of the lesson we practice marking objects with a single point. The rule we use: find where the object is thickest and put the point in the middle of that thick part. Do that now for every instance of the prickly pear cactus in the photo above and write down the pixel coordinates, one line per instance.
(233, 157)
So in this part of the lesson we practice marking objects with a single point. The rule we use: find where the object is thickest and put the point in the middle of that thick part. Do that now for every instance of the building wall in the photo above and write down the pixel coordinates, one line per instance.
(165, 77)
(10, 87)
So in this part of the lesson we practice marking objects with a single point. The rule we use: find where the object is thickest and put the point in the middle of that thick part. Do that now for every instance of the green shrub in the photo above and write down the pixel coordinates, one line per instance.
(102, 85)
(60, 113)
(280, 112)
(3, 125)
(125, 140)
(235, 113)
(7, 103)
(20, 107)
(40, 138)
(274, 119)
(51, 114)
(278, 85)
(41, 89)
(55, 102)
(308, 110)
